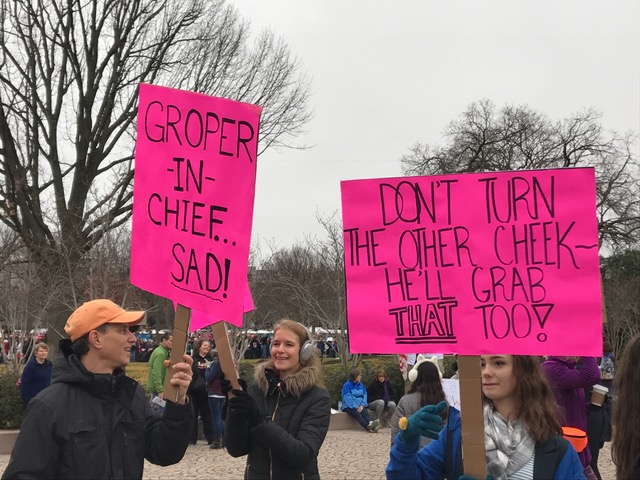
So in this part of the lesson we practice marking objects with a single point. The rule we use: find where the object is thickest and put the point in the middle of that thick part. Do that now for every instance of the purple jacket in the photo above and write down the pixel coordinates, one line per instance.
(568, 384)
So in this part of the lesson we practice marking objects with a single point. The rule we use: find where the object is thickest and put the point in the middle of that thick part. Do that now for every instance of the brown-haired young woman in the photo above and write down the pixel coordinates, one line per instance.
(625, 448)
(425, 390)
(522, 436)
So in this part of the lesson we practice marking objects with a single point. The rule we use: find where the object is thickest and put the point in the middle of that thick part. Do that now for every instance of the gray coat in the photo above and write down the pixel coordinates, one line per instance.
(407, 406)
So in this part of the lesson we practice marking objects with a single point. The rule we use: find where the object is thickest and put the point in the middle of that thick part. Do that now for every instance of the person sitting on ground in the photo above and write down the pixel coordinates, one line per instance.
(625, 449)
(426, 389)
(94, 421)
(379, 394)
(523, 438)
(354, 401)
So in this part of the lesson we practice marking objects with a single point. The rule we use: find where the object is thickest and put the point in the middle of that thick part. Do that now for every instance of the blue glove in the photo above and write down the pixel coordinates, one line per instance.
(426, 422)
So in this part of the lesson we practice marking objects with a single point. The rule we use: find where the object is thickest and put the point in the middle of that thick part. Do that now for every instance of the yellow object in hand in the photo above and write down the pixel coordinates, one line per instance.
(403, 423)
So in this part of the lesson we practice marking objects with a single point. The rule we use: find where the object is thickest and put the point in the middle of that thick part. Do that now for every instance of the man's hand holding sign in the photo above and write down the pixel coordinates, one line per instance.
(482, 263)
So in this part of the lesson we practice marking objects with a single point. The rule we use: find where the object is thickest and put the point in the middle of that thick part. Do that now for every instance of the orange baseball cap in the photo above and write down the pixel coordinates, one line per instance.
(95, 313)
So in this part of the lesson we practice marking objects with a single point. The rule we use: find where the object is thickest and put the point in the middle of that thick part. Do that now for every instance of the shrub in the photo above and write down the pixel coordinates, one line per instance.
(245, 370)
(11, 405)
(335, 376)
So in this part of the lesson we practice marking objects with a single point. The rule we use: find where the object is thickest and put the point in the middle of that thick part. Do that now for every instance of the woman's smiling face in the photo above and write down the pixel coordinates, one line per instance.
(285, 352)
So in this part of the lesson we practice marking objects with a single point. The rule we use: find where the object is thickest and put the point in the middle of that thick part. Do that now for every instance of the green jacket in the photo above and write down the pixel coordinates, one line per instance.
(157, 370)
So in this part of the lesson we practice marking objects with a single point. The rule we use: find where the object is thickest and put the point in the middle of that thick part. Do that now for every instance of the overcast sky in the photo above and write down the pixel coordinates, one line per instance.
(386, 75)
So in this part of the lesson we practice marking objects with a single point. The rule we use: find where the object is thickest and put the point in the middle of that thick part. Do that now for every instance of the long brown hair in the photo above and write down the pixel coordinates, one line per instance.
(625, 448)
(534, 398)
(429, 385)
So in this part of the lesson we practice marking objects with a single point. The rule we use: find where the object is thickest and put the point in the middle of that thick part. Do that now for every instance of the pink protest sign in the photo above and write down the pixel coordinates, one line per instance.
(200, 319)
(195, 169)
(501, 262)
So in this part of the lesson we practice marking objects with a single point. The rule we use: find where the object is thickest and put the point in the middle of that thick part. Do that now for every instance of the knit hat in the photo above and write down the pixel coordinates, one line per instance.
(413, 374)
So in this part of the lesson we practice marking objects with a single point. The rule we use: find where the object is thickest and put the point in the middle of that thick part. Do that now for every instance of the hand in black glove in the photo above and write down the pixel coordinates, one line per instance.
(242, 403)
(225, 385)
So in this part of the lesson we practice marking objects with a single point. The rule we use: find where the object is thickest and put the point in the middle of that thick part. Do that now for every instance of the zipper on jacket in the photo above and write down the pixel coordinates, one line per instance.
(273, 417)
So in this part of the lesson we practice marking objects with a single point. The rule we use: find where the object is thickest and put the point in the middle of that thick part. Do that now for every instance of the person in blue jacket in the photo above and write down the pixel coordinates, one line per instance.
(354, 401)
(522, 436)
(36, 375)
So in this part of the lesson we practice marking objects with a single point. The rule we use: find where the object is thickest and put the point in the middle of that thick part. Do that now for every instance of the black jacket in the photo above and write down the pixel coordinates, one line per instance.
(35, 378)
(87, 426)
(375, 390)
(286, 442)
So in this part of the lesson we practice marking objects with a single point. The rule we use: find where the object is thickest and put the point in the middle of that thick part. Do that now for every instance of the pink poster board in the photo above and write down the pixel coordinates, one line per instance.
(194, 184)
(200, 319)
(501, 262)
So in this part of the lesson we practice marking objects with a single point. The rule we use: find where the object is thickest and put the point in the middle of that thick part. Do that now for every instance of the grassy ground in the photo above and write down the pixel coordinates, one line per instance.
(138, 371)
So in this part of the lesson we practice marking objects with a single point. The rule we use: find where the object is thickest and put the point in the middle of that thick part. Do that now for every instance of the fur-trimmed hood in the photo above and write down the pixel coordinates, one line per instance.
(266, 378)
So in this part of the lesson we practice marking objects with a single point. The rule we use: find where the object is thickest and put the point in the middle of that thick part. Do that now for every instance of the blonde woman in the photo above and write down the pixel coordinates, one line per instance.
(36, 375)
(282, 419)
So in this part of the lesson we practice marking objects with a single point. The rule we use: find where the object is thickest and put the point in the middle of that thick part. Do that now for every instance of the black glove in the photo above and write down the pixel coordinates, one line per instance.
(225, 385)
(242, 403)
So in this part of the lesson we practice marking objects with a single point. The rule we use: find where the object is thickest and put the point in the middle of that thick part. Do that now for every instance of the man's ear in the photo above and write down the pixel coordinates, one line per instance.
(94, 339)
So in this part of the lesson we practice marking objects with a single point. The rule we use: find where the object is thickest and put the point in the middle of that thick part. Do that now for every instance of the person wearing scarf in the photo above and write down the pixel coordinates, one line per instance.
(523, 438)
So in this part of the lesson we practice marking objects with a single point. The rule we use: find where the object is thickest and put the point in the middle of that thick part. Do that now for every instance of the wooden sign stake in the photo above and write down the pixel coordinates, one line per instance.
(473, 453)
(219, 330)
(180, 332)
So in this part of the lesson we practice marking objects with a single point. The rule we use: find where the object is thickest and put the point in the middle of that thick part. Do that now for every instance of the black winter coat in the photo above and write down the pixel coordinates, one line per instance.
(87, 426)
(375, 390)
(286, 442)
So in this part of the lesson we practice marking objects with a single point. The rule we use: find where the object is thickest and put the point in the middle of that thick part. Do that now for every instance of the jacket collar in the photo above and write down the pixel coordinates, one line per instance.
(69, 369)
(266, 377)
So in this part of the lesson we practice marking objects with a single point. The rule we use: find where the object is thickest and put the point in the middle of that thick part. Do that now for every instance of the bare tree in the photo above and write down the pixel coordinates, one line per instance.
(306, 282)
(23, 301)
(621, 282)
(517, 137)
(69, 72)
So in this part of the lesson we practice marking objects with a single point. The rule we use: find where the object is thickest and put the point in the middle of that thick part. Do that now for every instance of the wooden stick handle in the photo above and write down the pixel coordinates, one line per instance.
(219, 330)
(180, 332)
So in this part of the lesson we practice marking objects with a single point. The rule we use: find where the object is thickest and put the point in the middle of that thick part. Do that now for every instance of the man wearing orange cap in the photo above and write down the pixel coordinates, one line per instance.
(94, 421)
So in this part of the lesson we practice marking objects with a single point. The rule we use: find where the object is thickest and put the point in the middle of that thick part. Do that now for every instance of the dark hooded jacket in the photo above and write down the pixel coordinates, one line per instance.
(87, 426)
(286, 442)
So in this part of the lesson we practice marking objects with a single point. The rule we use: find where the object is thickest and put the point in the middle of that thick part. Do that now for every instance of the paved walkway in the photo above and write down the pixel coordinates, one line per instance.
(345, 455)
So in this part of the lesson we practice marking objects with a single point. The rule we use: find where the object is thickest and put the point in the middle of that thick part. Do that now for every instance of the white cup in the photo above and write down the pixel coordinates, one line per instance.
(598, 394)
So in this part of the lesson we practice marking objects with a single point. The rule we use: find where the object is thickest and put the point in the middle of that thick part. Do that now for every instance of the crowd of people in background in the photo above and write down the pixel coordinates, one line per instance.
(564, 389)
(19, 346)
